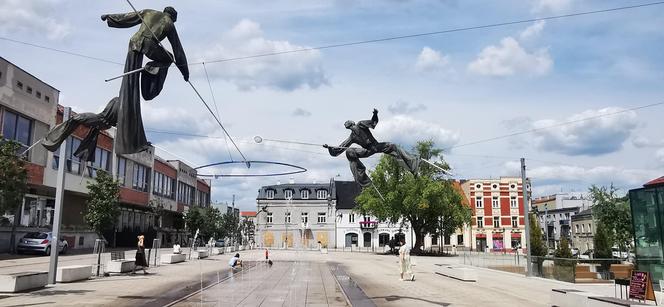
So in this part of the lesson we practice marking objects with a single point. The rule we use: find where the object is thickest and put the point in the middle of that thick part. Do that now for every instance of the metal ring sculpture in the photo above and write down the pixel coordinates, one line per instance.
(298, 169)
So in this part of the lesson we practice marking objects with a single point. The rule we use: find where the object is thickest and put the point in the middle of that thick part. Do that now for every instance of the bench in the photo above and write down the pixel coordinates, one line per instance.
(460, 273)
(120, 266)
(200, 254)
(570, 297)
(173, 258)
(73, 273)
(16, 282)
(605, 301)
(621, 271)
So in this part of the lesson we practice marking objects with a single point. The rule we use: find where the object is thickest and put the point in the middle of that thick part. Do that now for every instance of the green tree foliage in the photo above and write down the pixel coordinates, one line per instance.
(13, 183)
(207, 220)
(563, 250)
(602, 241)
(231, 228)
(427, 202)
(102, 207)
(563, 264)
(536, 245)
(614, 213)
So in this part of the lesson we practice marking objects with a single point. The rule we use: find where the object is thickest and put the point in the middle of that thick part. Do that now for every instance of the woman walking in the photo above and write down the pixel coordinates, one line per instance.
(405, 265)
(140, 256)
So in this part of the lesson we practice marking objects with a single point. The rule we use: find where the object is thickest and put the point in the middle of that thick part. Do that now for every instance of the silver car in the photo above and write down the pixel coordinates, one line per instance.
(39, 242)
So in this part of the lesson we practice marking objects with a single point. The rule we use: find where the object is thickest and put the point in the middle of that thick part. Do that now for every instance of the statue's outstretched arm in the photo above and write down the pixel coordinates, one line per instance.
(371, 123)
(124, 20)
(335, 151)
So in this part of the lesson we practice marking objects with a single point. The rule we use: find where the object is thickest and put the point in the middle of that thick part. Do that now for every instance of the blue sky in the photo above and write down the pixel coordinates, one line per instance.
(454, 88)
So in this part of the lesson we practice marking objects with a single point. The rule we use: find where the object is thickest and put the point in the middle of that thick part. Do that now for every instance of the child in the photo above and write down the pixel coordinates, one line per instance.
(235, 261)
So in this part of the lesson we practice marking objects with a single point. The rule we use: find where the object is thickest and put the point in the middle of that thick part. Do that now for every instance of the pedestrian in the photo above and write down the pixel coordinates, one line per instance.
(404, 262)
(140, 256)
(267, 255)
(235, 261)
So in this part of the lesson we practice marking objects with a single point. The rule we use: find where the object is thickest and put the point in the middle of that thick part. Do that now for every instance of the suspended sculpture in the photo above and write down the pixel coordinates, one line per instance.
(124, 111)
(362, 136)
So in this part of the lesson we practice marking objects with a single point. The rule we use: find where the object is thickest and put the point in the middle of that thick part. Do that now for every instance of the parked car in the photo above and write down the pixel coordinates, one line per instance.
(575, 252)
(586, 255)
(219, 243)
(616, 253)
(40, 242)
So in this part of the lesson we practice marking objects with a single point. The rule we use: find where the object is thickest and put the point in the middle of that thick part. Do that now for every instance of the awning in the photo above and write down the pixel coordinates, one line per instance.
(497, 236)
(516, 235)
(480, 236)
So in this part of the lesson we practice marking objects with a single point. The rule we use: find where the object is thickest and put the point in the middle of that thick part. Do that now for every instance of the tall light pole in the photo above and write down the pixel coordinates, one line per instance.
(59, 198)
(526, 211)
(546, 225)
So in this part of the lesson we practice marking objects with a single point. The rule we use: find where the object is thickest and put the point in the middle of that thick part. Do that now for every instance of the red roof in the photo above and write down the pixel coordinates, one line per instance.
(247, 213)
(655, 182)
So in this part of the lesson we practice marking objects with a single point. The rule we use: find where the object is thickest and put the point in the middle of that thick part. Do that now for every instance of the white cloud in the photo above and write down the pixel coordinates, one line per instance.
(510, 58)
(659, 154)
(405, 107)
(551, 5)
(431, 60)
(644, 142)
(407, 131)
(32, 16)
(532, 31)
(177, 119)
(283, 72)
(301, 112)
(590, 137)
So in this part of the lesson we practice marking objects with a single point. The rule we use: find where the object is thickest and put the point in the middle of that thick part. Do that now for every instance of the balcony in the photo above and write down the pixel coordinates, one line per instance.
(368, 224)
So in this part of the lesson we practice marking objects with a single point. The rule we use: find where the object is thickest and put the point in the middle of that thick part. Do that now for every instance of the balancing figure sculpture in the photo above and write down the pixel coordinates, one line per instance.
(361, 135)
(130, 137)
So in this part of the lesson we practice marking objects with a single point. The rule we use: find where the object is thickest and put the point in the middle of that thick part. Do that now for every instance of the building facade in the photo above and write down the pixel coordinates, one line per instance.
(295, 215)
(28, 110)
(583, 230)
(555, 212)
(498, 221)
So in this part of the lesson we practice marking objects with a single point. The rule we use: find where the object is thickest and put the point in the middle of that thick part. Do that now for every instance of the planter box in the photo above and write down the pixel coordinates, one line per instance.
(323, 250)
(216, 251)
(17, 282)
(73, 273)
(200, 254)
(120, 266)
(173, 258)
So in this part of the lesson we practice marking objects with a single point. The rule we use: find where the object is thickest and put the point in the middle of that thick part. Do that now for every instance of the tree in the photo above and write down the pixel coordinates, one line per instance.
(563, 264)
(102, 207)
(13, 184)
(426, 201)
(536, 244)
(157, 208)
(602, 242)
(614, 213)
(231, 228)
(206, 220)
(563, 250)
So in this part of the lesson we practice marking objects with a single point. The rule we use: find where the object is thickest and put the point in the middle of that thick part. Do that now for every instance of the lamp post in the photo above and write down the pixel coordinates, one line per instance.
(546, 225)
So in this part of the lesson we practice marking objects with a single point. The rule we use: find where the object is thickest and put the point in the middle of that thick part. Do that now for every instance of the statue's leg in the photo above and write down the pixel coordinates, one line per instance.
(131, 134)
(411, 162)
(153, 78)
(357, 168)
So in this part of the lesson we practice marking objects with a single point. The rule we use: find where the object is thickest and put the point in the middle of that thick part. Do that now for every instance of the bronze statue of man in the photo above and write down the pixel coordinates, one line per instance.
(97, 122)
(361, 135)
(130, 132)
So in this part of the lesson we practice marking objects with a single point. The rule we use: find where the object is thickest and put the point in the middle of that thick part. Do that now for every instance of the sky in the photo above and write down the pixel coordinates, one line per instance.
(455, 88)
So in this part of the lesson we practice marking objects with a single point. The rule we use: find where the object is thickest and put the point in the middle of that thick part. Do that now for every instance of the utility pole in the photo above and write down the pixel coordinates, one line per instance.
(59, 197)
(526, 212)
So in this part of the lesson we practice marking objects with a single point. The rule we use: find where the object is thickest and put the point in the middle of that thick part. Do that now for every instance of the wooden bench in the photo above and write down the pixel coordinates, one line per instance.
(16, 282)
(583, 272)
(621, 271)
(73, 273)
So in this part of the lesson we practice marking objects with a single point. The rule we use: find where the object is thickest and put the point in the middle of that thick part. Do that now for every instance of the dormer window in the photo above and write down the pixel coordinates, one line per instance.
(478, 186)
(304, 194)
(269, 194)
(494, 186)
(321, 194)
(288, 194)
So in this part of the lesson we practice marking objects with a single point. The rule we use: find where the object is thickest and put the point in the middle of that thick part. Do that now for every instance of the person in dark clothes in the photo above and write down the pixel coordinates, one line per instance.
(140, 256)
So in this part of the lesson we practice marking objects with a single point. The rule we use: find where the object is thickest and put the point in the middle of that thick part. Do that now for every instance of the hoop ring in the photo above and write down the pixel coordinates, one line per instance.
(297, 169)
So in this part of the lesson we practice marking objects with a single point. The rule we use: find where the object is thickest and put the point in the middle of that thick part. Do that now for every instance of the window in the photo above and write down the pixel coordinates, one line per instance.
(141, 178)
(513, 186)
(185, 193)
(447, 240)
(351, 218)
(304, 194)
(496, 222)
(478, 202)
(478, 186)
(495, 203)
(515, 222)
(102, 162)
(287, 218)
(576, 228)
(459, 239)
(513, 202)
(38, 94)
(18, 128)
(48, 99)
(583, 228)
(434, 240)
(268, 218)
(322, 217)
(29, 90)
(122, 170)
(305, 217)
(480, 222)
(494, 186)
(288, 194)
(19, 84)
(269, 194)
(73, 163)
(590, 228)
(321, 194)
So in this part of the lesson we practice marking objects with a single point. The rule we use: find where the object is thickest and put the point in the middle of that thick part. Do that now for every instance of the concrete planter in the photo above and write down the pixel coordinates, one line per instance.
(73, 273)
(23, 281)
(173, 258)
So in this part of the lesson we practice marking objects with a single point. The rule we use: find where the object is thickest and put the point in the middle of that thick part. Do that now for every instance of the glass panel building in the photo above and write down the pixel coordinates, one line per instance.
(647, 205)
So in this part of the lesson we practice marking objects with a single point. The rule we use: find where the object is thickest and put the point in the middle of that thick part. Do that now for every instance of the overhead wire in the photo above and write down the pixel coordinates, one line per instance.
(370, 41)
(214, 100)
